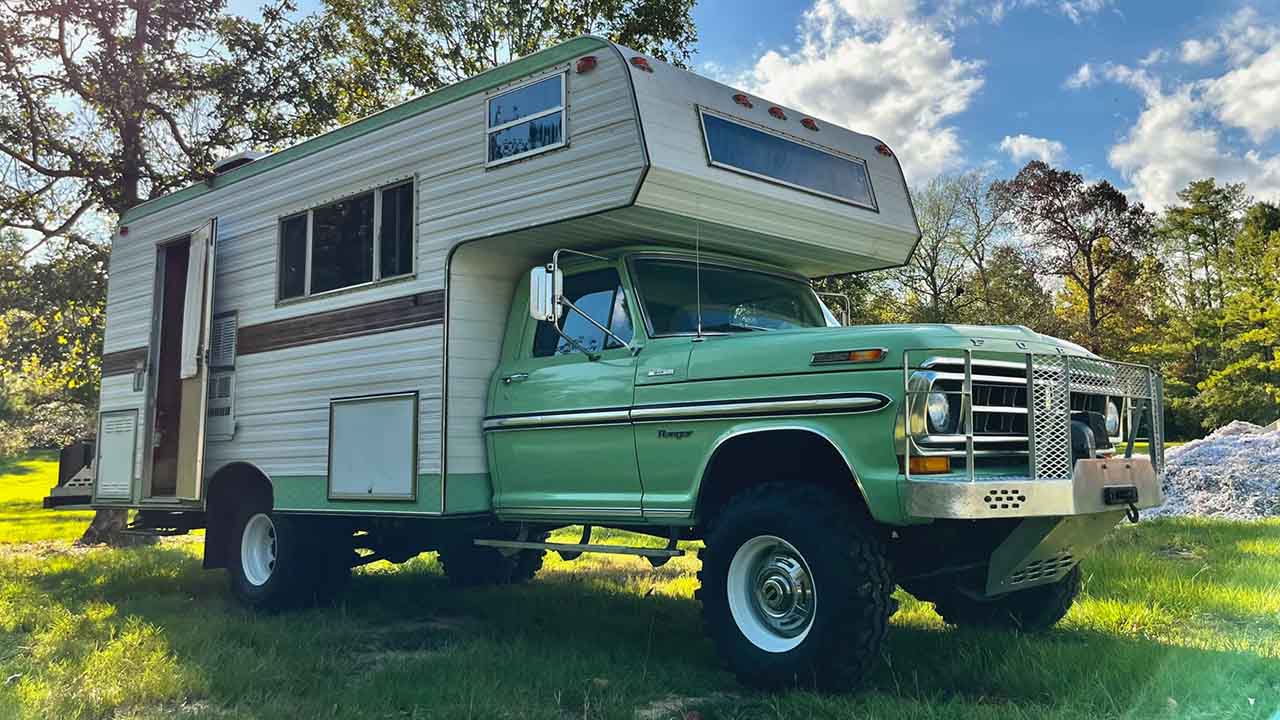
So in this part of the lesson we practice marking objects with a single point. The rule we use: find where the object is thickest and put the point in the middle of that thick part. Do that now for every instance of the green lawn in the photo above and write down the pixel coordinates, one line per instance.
(23, 485)
(1180, 619)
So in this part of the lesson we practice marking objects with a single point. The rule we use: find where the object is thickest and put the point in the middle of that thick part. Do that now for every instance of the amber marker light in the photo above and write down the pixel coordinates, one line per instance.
(864, 355)
(930, 465)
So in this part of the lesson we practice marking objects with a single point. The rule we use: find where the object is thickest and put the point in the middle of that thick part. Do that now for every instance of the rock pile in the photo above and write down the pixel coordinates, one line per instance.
(1234, 473)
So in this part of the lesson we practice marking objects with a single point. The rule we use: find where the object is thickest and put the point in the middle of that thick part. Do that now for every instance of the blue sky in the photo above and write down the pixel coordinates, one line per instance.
(1148, 95)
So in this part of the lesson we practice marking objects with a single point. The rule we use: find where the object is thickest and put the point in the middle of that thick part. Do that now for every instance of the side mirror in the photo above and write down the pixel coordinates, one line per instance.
(545, 288)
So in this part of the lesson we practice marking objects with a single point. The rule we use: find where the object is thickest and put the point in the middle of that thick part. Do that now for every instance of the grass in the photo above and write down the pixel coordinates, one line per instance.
(1179, 619)
(23, 485)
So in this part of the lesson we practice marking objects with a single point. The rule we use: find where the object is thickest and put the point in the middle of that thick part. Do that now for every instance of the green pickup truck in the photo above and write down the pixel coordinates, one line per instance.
(575, 291)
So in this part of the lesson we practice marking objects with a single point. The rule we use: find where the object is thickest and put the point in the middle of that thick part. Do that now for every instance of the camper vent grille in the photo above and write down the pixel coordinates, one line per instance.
(222, 405)
(222, 353)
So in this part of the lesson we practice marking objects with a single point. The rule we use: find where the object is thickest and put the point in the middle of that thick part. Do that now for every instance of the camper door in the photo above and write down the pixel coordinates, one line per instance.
(183, 320)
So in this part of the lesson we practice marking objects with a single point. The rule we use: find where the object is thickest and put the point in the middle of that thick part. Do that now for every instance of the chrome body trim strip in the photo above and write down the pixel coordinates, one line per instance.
(715, 410)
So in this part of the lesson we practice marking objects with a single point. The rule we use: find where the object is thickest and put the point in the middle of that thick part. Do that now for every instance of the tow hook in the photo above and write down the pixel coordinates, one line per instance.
(1132, 513)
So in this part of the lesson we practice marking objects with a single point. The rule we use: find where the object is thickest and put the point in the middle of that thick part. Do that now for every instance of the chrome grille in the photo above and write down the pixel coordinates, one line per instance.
(1004, 431)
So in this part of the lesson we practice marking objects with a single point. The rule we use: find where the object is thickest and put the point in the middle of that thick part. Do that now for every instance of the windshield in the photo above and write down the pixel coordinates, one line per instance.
(733, 300)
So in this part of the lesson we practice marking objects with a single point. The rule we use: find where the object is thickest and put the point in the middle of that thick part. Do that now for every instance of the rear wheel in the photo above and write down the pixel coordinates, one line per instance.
(281, 561)
(1033, 610)
(469, 565)
(795, 588)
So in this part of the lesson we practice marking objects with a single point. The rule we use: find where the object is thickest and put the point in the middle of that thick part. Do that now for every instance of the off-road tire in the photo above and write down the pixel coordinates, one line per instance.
(469, 565)
(331, 566)
(292, 581)
(1032, 610)
(851, 581)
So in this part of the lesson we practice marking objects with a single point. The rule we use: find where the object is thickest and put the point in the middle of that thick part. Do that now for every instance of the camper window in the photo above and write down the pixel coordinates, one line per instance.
(355, 241)
(736, 146)
(526, 120)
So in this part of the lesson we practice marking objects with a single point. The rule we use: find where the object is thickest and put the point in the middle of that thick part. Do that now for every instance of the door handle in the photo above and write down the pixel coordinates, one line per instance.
(515, 378)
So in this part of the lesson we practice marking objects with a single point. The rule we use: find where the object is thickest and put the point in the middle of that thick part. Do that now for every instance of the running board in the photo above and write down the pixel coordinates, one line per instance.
(664, 553)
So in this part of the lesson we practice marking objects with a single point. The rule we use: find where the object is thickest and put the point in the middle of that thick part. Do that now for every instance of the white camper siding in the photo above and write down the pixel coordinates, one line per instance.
(599, 170)
(282, 395)
(282, 403)
(681, 181)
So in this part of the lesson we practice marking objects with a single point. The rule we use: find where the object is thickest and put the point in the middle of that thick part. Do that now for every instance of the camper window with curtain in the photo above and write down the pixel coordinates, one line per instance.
(359, 240)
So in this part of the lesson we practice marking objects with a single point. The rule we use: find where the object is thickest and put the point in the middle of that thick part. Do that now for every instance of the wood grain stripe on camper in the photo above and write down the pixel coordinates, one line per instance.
(382, 316)
(123, 362)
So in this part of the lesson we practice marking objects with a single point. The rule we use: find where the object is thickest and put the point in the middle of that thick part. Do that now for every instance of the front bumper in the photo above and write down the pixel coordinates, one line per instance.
(1085, 493)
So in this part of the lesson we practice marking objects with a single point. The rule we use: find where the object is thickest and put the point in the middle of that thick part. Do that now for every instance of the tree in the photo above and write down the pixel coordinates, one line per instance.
(985, 222)
(936, 277)
(1014, 294)
(1247, 385)
(104, 103)
(373, 52)
(1082, 232)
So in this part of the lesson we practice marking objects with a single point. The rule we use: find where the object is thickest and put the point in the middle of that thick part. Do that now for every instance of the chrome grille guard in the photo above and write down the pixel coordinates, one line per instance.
(1049, 379)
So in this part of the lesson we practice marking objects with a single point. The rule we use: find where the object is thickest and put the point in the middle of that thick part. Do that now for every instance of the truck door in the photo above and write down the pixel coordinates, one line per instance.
(558, 425)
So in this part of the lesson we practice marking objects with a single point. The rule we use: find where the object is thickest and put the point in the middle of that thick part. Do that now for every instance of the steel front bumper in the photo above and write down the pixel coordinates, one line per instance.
(1096, 486)
(1062, 520)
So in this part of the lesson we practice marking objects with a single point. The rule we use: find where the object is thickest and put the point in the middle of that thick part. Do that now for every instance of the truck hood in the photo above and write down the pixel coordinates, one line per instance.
(782, 352)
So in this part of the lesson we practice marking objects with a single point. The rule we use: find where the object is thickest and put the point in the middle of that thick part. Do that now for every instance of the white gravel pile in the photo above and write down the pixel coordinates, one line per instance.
(1234, 472)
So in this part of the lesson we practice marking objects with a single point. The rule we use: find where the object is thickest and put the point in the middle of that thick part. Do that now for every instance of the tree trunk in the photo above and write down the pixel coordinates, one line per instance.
(108, 524)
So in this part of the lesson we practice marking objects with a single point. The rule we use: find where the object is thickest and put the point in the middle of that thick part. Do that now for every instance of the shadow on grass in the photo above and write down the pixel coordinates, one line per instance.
(587, 644)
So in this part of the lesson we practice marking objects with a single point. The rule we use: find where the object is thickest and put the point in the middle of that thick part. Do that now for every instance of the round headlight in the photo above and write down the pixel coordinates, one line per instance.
(1113, 419)
(939, 409)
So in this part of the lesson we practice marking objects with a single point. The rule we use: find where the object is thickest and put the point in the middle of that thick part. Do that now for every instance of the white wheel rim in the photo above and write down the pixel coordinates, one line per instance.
(258, 549)
(771, 593)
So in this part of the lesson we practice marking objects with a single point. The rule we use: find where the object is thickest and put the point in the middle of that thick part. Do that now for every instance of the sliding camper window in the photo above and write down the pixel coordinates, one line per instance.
(735, 146)
(358, 240)
(526, 120)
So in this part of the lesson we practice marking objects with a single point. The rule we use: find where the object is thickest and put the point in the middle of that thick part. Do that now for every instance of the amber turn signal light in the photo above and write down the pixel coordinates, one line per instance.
(849, 356)
(930, 465)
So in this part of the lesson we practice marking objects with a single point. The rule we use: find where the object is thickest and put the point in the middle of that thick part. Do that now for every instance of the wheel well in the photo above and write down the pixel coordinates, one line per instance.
(793, 455)
(230, 487)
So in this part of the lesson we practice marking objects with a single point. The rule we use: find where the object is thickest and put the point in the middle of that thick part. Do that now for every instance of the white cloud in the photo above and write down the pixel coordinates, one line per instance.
(1199, 52)
(1172, 143)
(1022, 148)
(1248, 97)
(1078, 10)
(1154, 57)
(879, 68)
(1083, 77)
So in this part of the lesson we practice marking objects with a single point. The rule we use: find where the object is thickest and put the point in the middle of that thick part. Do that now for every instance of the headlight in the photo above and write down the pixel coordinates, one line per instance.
(1113, 419)
(939, 408)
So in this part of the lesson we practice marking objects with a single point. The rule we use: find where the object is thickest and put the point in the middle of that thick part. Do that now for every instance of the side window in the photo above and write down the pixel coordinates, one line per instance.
(599, 294)
(362, 239)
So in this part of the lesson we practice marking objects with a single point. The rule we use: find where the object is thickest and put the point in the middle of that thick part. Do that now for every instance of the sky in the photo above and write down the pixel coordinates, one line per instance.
(1148, 94)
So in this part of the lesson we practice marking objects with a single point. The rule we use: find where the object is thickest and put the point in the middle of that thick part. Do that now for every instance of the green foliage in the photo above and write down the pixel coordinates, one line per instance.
(356, 57)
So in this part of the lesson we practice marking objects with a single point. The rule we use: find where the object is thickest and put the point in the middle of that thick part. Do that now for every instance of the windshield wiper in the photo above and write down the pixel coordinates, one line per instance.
(731, 326)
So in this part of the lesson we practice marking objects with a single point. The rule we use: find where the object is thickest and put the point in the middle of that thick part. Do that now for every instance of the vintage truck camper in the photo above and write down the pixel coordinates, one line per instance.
(573, 290)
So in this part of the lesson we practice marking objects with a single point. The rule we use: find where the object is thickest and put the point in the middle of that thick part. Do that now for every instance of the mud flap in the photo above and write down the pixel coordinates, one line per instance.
(1042, 550)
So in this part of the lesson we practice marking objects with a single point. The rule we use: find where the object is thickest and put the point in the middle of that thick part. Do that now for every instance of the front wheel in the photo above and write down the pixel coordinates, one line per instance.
(795, 588)
(1033, 610)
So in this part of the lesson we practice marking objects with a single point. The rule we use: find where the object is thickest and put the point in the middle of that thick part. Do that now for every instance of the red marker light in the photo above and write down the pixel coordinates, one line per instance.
(884, 150)
(586, 64)
(810, 123)
(124, 230)
(742, 100)
(777, 112)
(641, 63)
